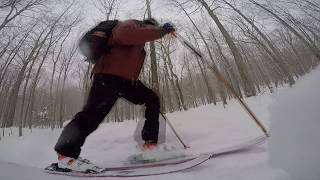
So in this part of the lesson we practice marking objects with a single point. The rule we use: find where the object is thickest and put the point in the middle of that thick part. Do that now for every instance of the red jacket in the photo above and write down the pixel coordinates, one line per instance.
(127, 54)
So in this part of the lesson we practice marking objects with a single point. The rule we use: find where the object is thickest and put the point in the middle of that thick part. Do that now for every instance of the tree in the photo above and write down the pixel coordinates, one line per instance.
(153, 57)
(108, 8)
(16, 8)
(312, 48)
(249, 89)
(276, 55)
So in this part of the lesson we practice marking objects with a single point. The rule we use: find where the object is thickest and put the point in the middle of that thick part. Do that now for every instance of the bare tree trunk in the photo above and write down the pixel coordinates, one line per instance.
(36, 79)
(153, 58)
(56, 108)
(263, 76)
(4, 99)
(191, 84)
(172, 84)
(67, 64)
(231, 76)
(211, 92)
(21, 124)
(243, 71)
(12, 55)
(10, 112)
(210, 99)
(13, 97)
(176, 79)
(168, 91)
(51, 100)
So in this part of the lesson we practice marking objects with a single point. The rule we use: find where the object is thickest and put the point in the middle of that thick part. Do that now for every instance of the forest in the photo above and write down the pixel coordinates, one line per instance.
(257, 45)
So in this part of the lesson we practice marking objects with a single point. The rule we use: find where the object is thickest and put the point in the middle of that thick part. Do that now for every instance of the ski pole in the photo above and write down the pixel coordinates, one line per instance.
(174, 131)
(225, 82)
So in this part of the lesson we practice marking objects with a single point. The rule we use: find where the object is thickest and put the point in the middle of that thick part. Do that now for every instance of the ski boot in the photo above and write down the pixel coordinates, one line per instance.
(149, 146)
(78, 165)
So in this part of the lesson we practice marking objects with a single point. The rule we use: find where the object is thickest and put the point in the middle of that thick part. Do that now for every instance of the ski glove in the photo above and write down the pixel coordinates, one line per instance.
(168, 28)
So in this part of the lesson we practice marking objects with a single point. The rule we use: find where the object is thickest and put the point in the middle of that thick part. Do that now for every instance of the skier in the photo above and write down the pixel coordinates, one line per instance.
(115, 75)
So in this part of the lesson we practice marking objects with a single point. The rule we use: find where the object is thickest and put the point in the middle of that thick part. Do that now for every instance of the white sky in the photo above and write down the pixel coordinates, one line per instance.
(131, 9)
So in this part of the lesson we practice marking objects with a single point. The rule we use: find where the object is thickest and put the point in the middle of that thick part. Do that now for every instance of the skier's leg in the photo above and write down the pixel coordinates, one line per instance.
(137, 93)
(101, 98)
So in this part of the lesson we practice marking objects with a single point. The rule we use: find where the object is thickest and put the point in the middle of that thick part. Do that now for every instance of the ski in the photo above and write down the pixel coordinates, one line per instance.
(220, 152)
(137, 172)
(163, 167)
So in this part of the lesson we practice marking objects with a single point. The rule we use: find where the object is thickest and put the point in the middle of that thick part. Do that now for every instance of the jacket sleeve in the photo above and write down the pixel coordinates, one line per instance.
(134, 33)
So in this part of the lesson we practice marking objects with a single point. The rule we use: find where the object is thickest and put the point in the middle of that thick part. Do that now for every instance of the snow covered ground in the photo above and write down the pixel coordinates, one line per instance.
(204, 129)
(295, 117)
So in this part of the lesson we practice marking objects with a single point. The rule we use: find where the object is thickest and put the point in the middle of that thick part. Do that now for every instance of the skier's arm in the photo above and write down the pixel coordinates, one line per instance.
(133, 33)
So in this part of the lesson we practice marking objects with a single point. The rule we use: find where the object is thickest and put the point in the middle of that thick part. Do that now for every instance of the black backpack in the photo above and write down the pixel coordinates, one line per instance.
(92, 46)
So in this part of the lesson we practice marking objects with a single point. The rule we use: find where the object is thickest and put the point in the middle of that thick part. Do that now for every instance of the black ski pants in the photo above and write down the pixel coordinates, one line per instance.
(105, 91)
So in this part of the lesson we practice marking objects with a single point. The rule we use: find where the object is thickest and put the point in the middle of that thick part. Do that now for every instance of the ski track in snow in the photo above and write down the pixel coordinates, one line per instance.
(205, 129)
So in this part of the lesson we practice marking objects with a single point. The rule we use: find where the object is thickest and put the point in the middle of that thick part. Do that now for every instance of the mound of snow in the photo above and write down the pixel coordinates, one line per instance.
(295, 121)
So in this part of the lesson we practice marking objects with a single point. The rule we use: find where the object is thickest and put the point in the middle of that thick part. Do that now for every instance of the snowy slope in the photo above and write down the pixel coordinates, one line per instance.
(205, 129)
(295, 122)
(224, 168)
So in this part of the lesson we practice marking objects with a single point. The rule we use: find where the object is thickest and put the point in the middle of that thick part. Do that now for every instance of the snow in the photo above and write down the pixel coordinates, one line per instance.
(205, 129)
(295, 122)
